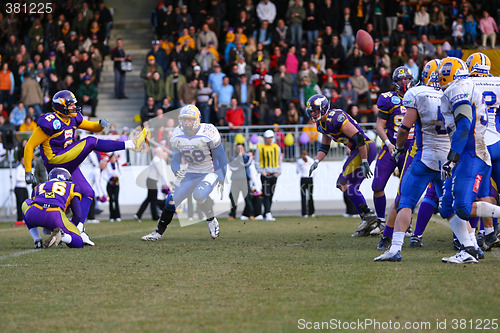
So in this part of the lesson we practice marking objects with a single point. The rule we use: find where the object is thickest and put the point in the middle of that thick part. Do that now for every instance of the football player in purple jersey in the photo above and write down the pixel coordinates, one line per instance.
(337, 125)
(389, 118)
(47, 209)
(56, 135)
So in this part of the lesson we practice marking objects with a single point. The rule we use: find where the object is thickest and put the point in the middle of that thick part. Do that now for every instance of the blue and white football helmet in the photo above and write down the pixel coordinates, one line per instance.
(317, 106)
(430, 73)
(189, 118)
(60, 174)
(61, 100)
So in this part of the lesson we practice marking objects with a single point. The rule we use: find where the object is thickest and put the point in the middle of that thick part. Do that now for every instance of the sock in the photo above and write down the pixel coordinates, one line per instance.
(109, 145)
(473, 239)
(459, 227)
(85, 207)
(485, 209)
(35, 233)
(380, 203)
(398, 239)
(388, 231)
(481, 226)
(164, 221)
(66, 238)
(488, 231)
(473, 221)
(357, 198)
(80, 227)
(424, 215)
(129, 144)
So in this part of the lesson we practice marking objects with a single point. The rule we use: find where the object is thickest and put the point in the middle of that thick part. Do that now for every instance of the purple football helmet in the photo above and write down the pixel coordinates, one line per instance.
(399, 74)
(61, 100)
(317, 106)
(60, 174)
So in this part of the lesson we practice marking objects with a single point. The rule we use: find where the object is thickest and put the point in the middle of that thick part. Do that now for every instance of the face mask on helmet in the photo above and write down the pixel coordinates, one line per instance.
(59, 174)
(189, 118)
(451, 69)
(64, 102)
(402, 77)
(478, 64)
(430, 74)
(316, 107)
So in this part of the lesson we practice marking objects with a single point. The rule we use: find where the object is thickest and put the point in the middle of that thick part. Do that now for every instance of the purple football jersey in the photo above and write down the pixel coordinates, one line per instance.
(61, 134)
(391, 109)
(55, 193)
(335, 120)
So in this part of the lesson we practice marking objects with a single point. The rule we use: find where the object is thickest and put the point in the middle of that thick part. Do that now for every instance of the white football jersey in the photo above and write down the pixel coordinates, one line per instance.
(431, 137)
(490, 91)
(460, 92)
(196, 149)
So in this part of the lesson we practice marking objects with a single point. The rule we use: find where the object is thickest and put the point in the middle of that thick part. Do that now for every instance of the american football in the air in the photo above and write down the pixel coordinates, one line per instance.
(364, 41)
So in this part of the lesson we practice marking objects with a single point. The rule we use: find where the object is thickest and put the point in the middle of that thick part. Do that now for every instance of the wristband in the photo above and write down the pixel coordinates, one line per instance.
(387, 142)
(316, 161)
(363, 160)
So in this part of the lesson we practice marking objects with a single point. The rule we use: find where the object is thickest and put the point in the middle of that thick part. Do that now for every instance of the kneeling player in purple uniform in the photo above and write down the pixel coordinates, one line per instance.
(339, 126)
(47, 209)
(56, 134)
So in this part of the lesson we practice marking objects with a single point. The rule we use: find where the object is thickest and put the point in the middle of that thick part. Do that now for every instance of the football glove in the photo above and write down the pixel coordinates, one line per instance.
(365, 168)
(180, 174)
(313, 167)
(398, 151)
(30, 178)
(104, 122)
(446, 169)
(220, 188)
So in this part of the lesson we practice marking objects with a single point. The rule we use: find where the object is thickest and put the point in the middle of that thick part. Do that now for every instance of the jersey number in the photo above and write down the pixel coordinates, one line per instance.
(440, 129)
(193, 156)
(57, 187)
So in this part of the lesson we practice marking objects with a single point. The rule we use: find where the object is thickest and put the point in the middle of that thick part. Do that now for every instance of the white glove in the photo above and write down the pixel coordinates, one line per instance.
(104, 122)
(180, 174)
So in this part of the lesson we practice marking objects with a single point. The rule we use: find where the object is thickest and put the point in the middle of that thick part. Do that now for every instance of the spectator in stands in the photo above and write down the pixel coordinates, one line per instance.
(421, 21)
(51, 32)
(353, 111)
(318, 60)
(353, 60)
(417, 56)
(17, 115)
(281, 35)
(197, 74)
(278, 117)
(245, 94)
(188, 93)
(470, 31)
(105, 18)
(266, 11)
(306, 70)
(437, 21)
(31, 94)
(307, 89)
(112, 175)
(205, 58)
(243, 67)
(87, 94)
(457, 31)
(204, 101)
(118, 56)
(399, 57)
(350, 94)
(311, 24)
(440, 52)
(7, 85)
(282, 87)
(347, 27)
(215, 78)
(329, 80)
(156, 88)
(292, 115)
(337, 101)
(264, 98)
(391, 18)
(425, 47)
(296, 14)
(361, 85)
(335, 54)
(396, 37)
(263, 34)
(488, 28)
(404, 15)
(185, 36)
(160, 55)
(206, 35)
(384, 80)
(12, 48)
(235, 116)
(414, 69)
(223, 100)
(173, 85)
(28, 125)
(148, 110)
(376, 16)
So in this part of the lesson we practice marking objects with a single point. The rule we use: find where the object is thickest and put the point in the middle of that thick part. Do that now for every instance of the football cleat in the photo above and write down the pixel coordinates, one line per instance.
(86, 239)
(384, 244)
(152, 237)
(480, 254)
(416, 241)
(213, 227)
(54, 239)
(269, 217)
(490, 240)
(389, 256)
(408, 232)
(368, 219)
(379, 228)
(480, 239)
(39, 244)
(462, 257)
(139, 139)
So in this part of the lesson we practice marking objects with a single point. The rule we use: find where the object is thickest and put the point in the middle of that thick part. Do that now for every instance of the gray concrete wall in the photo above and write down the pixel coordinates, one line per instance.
(131, 9)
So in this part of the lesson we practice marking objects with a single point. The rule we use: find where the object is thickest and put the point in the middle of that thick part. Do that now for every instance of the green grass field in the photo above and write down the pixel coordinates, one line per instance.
(257, 277)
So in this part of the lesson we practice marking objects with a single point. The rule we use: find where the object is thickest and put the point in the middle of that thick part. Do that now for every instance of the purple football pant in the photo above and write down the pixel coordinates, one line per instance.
(384, 168)
(51, 218)
(351, 171)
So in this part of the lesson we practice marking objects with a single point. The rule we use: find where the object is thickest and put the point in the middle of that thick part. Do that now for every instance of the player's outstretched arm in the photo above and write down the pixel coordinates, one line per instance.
(36, 139)
(220, 155)
(92, 126)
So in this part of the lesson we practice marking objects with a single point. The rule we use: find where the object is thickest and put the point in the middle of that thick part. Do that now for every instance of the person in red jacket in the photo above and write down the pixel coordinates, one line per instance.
(235, 117)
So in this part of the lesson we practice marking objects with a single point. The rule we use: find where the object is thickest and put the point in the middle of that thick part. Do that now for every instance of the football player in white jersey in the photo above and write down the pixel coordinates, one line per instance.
(422, 109)
(468, 163)
(200, 146)
(489, 86)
